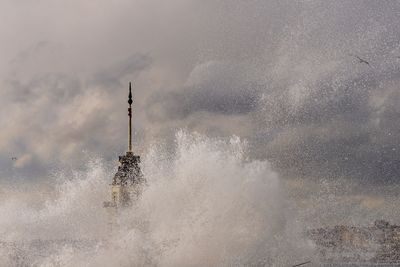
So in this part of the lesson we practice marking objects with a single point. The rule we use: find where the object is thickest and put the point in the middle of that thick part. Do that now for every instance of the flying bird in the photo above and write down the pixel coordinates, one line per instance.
(300, 264)
(360, 60)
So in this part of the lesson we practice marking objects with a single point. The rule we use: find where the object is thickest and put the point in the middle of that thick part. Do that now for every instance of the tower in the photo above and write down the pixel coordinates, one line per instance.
(127, 182)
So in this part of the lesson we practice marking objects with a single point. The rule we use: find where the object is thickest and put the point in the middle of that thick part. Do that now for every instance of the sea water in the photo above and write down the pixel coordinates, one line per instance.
(204, 204)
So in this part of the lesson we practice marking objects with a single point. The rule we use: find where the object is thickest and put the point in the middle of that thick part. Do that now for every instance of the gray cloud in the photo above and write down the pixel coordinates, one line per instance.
(54, 117)
(214, 87)
(278, 73)
(112, 76)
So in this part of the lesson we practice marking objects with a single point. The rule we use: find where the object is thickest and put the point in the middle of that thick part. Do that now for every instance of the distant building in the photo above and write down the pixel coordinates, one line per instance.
(377, 243)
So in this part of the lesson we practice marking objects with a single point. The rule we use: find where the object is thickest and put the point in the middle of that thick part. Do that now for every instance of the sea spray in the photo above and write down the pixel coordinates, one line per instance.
(205, 204)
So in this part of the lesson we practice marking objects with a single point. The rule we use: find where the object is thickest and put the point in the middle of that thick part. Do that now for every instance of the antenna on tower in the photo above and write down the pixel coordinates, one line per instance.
(127, 183)
(130, 117)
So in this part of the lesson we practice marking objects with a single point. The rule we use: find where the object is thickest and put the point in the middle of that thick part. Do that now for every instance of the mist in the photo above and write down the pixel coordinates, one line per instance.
(318, 129)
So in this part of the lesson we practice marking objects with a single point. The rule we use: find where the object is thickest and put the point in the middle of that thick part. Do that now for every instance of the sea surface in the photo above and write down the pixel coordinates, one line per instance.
(205, 204)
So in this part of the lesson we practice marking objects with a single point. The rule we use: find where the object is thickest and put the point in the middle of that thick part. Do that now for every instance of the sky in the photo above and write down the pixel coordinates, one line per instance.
(282, 75)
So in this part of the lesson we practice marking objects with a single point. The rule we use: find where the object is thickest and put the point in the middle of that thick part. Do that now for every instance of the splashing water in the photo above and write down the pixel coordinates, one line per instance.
(205, 204)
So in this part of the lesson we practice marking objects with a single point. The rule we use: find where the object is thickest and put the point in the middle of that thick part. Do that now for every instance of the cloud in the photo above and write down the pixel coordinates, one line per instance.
(113, 75)
(23, 161)
(53, 117)
(214, 87)
(278, 73)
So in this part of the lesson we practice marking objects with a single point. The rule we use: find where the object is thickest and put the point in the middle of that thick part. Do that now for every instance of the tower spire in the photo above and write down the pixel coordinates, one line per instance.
(127, 183)
(130, 117)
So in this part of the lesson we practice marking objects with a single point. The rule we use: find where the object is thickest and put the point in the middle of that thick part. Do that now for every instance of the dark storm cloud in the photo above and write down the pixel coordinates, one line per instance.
(112, 76)
(279, 73)
(212, 87)
(340, 131)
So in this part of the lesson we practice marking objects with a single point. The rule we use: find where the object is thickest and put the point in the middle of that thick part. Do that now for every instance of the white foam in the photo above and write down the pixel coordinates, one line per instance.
(205, 205)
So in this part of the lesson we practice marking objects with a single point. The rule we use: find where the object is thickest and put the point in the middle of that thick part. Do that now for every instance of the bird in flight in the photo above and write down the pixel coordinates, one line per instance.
(360, 60)
(300, 264)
